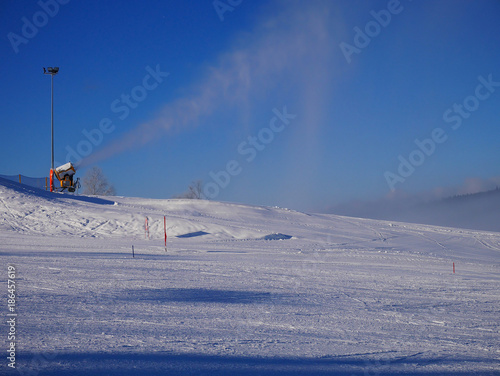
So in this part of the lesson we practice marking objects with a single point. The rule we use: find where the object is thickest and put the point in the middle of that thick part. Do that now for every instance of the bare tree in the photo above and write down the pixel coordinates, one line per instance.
(195, 191)
(96, 183)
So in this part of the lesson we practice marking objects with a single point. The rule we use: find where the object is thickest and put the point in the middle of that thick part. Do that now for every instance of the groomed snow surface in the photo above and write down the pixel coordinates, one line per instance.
(246, 291)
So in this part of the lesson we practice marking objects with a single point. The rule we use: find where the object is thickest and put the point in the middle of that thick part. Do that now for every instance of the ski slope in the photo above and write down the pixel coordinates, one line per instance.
(335, 296)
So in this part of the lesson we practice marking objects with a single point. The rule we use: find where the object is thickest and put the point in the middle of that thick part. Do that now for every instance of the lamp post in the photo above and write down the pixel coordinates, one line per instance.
(52, 72)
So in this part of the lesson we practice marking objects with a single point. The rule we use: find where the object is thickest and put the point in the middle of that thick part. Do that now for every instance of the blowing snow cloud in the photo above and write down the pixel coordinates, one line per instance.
(293, 47)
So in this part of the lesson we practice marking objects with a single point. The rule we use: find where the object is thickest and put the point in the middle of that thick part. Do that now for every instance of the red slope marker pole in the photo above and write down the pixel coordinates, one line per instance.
(51, 180)
(165, 230)
(453, 268)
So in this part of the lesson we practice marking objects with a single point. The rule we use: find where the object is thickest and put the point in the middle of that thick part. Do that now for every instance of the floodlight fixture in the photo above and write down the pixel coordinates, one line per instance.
(51, 70)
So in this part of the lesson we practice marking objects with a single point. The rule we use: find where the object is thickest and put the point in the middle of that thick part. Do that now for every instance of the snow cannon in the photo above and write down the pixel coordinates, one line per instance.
(65, 174)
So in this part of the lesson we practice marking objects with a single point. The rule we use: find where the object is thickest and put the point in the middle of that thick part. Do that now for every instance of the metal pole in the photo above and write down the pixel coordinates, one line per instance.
(52, 117)
(52, 71)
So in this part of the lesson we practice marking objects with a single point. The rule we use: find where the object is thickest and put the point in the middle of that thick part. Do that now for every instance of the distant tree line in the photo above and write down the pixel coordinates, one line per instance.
(466, 195)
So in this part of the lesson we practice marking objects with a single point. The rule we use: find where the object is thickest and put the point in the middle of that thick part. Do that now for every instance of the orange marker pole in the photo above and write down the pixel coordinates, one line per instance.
(51, 180)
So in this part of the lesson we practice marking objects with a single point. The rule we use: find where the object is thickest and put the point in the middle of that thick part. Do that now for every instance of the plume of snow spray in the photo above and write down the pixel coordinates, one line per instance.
(293, 47)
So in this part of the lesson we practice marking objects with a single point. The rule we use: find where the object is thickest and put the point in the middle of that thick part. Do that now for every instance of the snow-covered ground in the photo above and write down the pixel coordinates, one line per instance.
(342, 296)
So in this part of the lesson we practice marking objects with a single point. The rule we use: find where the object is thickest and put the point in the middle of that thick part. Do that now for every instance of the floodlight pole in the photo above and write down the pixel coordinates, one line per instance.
(52, 120)
(52, 72)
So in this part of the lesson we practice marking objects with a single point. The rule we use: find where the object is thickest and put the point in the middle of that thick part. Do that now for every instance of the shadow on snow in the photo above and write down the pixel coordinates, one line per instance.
(200, 295)
(128, 364)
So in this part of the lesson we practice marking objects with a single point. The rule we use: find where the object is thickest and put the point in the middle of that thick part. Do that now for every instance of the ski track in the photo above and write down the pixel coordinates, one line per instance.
(344, 296)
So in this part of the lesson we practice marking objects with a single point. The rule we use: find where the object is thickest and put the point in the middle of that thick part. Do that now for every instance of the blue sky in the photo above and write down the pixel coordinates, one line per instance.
(186, 92)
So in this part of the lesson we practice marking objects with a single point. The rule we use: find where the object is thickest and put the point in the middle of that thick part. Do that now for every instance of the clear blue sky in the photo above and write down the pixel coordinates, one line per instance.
(356, 113)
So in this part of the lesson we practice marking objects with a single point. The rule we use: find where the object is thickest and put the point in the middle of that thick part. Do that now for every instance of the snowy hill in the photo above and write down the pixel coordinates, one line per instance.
(478, 211)
(243, 290)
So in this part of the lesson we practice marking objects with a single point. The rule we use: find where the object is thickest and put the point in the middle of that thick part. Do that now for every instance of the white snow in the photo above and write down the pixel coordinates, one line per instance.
(65, 169)
(342, 296)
